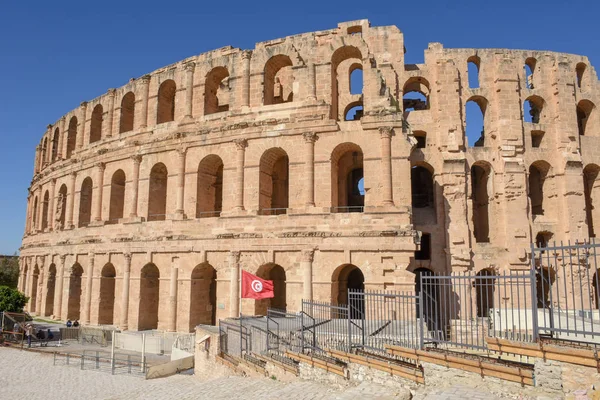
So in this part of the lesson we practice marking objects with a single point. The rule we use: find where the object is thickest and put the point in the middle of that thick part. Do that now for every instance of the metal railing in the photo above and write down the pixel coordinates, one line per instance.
(208, 214)
(348, 209)
(272, 211)
(117, 363)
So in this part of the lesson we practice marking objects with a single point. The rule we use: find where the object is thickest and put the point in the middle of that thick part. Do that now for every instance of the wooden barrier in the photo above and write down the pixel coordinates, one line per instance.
(483, 366)
(284, 366)
(318, 363)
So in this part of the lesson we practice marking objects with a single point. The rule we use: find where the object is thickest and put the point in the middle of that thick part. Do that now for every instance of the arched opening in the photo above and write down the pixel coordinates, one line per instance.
(44, 152)
(538, 174)
(275, 273)
(580, 71)
(55, 143)
(485, 286)
(117, 196)
(473, 64)
(71, 137)
(157, 197)
(354, 111)
(85, 202)
(544, 280)
(585, 108)
(106, 305)
(35, 213)
(429, 310)
(347, 178)
(596, 290)
(530, 64)
(127, 112)
(345, 61)
(149, 297)
(274, 182)
(421, 180)
(45, 206)
(532, 109)
(278, 80)
(421, 138)
(74, 299)
(34, 288)
(480, 180)
(203, 296)
(542, 239)
(591, 187)
(50, 285)
(216, 90)
(475, 121)
(165, 111)
(415, 95)
(356, 78)
(61, 208)
(96, 124)
(348, 277)
(209, 196)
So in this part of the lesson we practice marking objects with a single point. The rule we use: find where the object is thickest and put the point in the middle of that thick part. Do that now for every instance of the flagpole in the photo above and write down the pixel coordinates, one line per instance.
(240, 292)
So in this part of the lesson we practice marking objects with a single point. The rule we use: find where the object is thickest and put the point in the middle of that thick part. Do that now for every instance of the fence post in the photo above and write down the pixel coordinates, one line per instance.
(97, 360)
(54, 359)
(82, 359)
(534, 310)
(349, 328)
(143, 350)
(420, 316)
(302, 332)
(241, 327)
(112, 354)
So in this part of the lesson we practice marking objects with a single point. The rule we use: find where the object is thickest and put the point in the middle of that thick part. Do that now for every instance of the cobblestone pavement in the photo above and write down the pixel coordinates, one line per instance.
(32, 375)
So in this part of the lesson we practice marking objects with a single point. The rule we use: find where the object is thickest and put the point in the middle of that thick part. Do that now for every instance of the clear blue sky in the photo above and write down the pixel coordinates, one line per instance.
(55, 54)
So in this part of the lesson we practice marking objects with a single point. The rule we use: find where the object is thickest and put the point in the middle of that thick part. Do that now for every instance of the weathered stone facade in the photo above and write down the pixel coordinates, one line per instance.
(147, 201)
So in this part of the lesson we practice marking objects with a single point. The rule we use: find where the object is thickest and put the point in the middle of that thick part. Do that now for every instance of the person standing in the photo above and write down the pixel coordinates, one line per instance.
(28, 333)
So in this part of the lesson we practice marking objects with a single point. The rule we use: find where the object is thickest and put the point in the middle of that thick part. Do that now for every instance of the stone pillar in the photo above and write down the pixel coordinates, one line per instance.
(36, 162)
(246, 55)
(135, 185)
(88, 290)
(240, 145)
(98, 202)
(51, 205)
(180, 182)
(28, 214)
(189, 88)
(386, 166)
(48, 146)
(61, 138)
(111, 112)
(306, 266)
(234, 285)
(309, 168)
(125, 293)
(312, 83)
(172, 325)
(58, 291)
(71, 200)
(40, 288)
(40, 210)
(28, 280)
(144, 103)
(81, 135)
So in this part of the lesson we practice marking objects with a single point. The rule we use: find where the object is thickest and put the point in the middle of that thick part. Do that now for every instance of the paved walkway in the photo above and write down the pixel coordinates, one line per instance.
(31, 375)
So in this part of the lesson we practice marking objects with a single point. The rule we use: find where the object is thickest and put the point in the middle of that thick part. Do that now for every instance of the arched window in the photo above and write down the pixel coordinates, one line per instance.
(278, 80)
(347, 183)
(345, 82)
(165, 111)
(473, 71)
(415, 95)
(149, 297)
(44, 152)
(50, 284)
(85, 202)
(74, 299)
(580, 71)
(55, 144)
(538, 174)
(203, 296)
(591, 187)
(480, 180)
(475, 121)
(61, 208)
(127, 113)
(530, 64)
(348, 277)
(117, 196)
(209, 195)
(354, 111)
(106, 305)
(532, 109)
(421, 180)
(274, 182)
(275, 273)
(485, 288)
(356, 78)
(46, 204)
(71, 137)
(585, 109)
(216, 91)
(96, 124)
(157, 197)
(35, 213)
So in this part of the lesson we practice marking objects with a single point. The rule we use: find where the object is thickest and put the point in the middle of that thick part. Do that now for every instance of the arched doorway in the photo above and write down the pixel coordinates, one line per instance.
(50, 285)
(117, 197)
(203, 296)
(348, 277)
(157, 196)
(544, 280)
(85, 202)
(34, 287)
(347, 178)
(74, 302)
(484, 292)
(149, 297)
(274, 182)
(209, 192)
(429, 309)
(275, 273)
(106, 306)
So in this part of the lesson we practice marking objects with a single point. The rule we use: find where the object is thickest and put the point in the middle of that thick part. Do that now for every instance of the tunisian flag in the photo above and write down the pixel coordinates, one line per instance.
(256, 288)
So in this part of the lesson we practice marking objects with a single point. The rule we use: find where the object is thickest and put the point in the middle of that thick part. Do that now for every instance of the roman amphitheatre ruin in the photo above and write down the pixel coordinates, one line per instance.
(148, 200)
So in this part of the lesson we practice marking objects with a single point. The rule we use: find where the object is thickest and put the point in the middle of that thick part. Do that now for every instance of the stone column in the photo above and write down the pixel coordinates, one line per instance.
(61, 138)
(82, 115)
(306, 266)
(58, 292)
(36, 162)
(48, 146)
(71, 200)
(135, 185)
(144, 103)
(40, 210)
(28, 214)
(111, 111)
(312, 83)
(51, 205)
(40, 288)
(28, 279)
(189, 88)
(180, 182)
(172, 325)
(386, 166)
(125, 293)
(246, 55)
(88, 290)
(309, 167)
(234, 285)
(240, 145)
(100, 167)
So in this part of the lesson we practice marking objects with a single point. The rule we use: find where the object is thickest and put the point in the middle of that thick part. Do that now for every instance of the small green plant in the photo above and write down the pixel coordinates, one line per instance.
(273, 377)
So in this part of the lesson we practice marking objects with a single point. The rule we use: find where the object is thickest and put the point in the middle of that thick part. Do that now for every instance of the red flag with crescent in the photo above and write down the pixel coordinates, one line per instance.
(256, 288)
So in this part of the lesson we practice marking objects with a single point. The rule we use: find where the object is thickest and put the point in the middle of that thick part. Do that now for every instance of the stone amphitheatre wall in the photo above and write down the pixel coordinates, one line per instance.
(148, 200)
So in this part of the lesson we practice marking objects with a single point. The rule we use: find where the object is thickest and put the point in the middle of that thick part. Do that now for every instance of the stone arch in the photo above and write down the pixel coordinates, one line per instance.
(530, 64)
(484, 285)
(533, 108)
(106, 305)
(416, 94)
(165, 109)
(591, 189)
(96, 124)
(34, 288)
(50, 290)
(538, 175)
(149, 297)
(45, 207)
(71, 137)
(475, 113)
(346, 276)
(346, 176)
(473, 68)
(209, 189)
(585, 111)
(157, 197)
(580, 69)
(117, 197)
(61, 208)
(349, 54)
(44, 152)
(354, 111)
(276, 273)
(74, 298)
(203, 296)
(55, 144)
(127, 112)
(278, 80)
(274, 182)
(85, 202)
(481, 182)
(216, 84)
